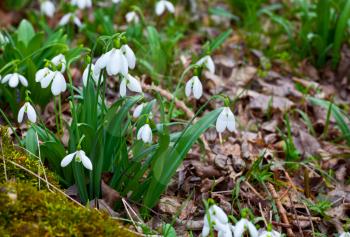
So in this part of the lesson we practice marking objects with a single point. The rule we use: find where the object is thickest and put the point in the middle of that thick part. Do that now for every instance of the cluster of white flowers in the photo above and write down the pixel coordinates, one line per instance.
(82, 4)
(218, 220)
(46, 76)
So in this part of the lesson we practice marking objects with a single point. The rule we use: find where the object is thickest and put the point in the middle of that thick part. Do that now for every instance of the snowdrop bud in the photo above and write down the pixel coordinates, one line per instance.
(225, 120)
(145, 133)
(29, 110)
(131, 83)
(80, 156)
(94, 74)
(207, 62)
(138, 110)
(345, 234)
(163, 5)
(194, 86)
(132, 17)
(272, 233)
(47, 8)
(82, 4)
(14, 79)
(244, 225)
(129, 55)
(59, 61)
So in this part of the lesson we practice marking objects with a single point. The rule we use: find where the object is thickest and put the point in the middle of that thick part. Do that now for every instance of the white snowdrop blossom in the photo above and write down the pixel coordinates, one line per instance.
(219, 220)
(95, 74)
(138, 110)
(345, 234)
(272, 233)
(226, 119)
(59, 61)
(132, 17)
(131, 83)
(244, 225)
(70, 17)
(116, 1)
(194, 86)
(29, 110)
(114, 61)
(82, 4)
(130, 56)
(163, 5)
(207, 62)
(13, 79)
(145, 134)
(79, 156)
(45, 76)
(48, 8)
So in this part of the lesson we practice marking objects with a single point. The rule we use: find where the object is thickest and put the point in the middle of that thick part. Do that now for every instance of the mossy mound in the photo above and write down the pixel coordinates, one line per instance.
(27, 211)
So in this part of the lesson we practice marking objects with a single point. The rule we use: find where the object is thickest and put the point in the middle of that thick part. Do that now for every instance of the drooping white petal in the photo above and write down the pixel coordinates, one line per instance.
(205, 231)
(345, 234)
(59, 84)
(219, 214)
(147, 134)
(130, 56)
(252, 229)
(85, 160)
(77, 21)
(225, 120)
(197, 88)
(21, 113)
(115, 62)
(122, 87)
(45, 82)
(239, 228)
(169, 6)
(48, 8)
(6, 78)
(23, 80)
(225, 231)
(65, 19)
(221, 122)
(132, 17)
(231, 123)
(133, 84)
(31, 113)
(14, 80)
(67, 159)
(207, 62)
(94, 74)
(40, 74)
(160, 7)
(188, 87)
(103, 60)
(138, 110)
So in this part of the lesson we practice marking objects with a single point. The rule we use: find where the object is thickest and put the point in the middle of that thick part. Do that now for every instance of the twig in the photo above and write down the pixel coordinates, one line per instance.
(3, 160)
(262, 214)
(281, 209)
(311, 223)
(305, 218)
(127, 207)
(254, 190)
(295, 215)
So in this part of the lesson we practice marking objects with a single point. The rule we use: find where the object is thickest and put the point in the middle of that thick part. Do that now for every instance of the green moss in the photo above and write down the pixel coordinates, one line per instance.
(27, 211)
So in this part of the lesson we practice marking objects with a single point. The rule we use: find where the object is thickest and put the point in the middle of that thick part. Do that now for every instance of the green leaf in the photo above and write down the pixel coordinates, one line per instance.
(25, 32)
(168, 231)
(219, 40)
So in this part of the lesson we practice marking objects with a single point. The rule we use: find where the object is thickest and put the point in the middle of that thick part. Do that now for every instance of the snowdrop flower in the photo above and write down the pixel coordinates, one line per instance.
(131, 83)
(95, 74)
(272, 233)
(3, 39)
(241, 227)
(207, 62)
(194, 86)
(29, 110)
(59, 61)
(82, 3)
(163, 5)
(132, 17)
(13, 79)
(219, 221)
(48, 8)
(70, 17)
(116, 1)
(45, 76)
(145, 133)
(138, 110)
(130, 56)
(79, 156)
(114, 61)
(345, 234)
(225, 120)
